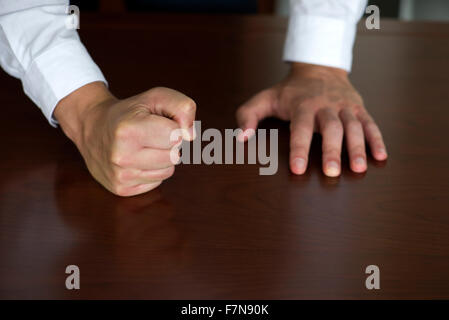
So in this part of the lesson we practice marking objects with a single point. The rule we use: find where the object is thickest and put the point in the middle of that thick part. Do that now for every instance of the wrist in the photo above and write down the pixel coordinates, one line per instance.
(306, 69)
(73, 112)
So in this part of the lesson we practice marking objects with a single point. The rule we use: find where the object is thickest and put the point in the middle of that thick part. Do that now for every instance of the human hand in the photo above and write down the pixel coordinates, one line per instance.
(126, 143)
(322, 99)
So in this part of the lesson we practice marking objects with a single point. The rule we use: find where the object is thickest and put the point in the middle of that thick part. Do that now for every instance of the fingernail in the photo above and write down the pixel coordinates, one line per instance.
(380, 154)
(332, 169)
(300, 164)
(247, 133)
(359, 162)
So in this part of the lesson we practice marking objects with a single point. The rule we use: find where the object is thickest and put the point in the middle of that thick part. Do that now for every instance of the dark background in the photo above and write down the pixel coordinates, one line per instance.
(390, 8)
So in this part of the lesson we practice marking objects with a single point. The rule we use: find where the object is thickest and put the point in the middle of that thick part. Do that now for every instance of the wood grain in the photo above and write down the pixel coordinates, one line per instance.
(223, 231)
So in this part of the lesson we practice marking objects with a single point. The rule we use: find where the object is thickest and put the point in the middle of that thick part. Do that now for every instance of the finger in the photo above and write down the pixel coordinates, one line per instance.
(159, 174)
(128, 191)
(148, 130)
(254, 110)
(355, 140)
(373, 136)
(301, 133)
(144, 159)
(175, 105)
(332, 131)
(132, 177)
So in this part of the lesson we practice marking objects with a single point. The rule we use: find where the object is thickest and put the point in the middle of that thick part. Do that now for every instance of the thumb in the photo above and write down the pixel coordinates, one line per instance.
(254, 110)
(174, 105)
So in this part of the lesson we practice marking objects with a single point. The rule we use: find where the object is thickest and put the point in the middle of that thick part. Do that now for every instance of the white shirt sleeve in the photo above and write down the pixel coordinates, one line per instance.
(323, 31)
(38, 47)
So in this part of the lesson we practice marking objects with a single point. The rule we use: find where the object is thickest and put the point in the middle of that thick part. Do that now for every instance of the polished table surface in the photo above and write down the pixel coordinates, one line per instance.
(224, 231)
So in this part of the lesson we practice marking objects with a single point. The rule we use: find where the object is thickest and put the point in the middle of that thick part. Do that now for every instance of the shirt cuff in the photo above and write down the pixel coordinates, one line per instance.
(320, 40)
(58, 72)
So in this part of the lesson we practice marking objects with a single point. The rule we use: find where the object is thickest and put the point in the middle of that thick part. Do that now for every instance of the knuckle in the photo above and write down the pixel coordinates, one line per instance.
(301, 129)
(189, 106)
(371, 126)
(331, 152)
(121, 176)
(120, 159)
(359, 108)
(353, 125)
(333, 124)
(119, 179)
(358, 150)
(300, 136)
(157, 91)
(298, 150)
(115, 178)
(124, 131)
(379, 139)
(374, 131)
(171, 126)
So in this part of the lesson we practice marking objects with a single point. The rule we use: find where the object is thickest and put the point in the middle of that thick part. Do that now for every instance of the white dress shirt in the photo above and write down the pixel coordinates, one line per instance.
(323, 31)
(37, 47)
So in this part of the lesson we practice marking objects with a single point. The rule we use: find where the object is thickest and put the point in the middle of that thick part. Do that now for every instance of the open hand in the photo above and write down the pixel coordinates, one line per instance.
(322, 99)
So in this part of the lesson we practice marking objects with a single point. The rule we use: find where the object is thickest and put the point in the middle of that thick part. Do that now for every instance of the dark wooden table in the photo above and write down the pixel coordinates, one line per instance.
(223, 231)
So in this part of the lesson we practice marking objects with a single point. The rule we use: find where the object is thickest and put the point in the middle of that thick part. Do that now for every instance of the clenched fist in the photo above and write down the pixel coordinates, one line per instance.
(126, 143)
